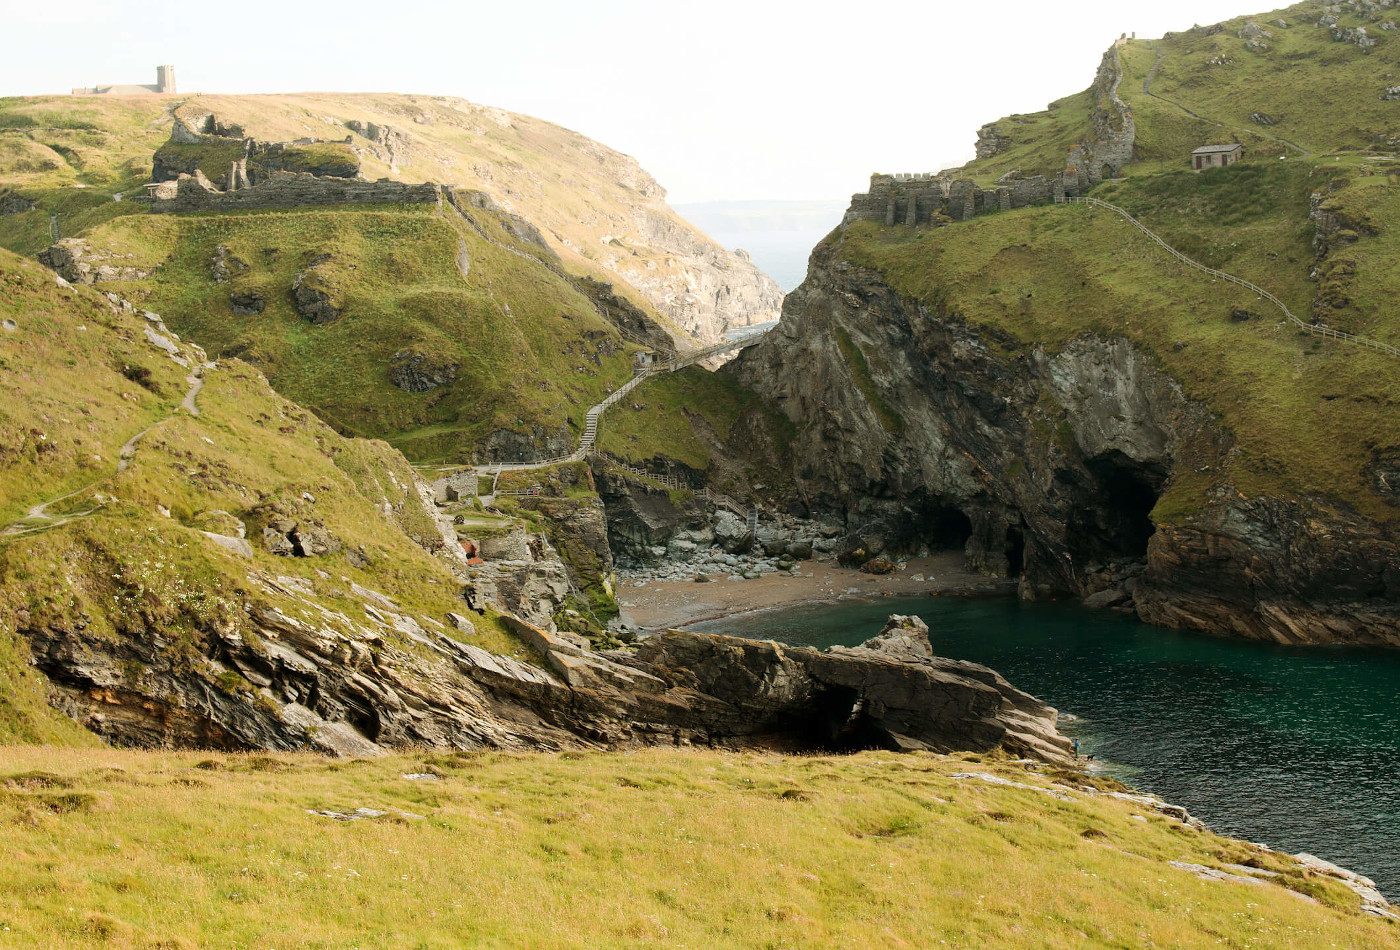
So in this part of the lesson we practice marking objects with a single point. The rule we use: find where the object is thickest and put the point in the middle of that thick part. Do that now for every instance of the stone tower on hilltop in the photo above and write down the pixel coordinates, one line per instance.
(165, 84)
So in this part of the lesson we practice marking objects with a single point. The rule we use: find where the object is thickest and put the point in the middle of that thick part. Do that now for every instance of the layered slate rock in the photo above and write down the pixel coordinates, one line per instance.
(379, 680)
(1047, 466)
(890, 692)
(312, 302)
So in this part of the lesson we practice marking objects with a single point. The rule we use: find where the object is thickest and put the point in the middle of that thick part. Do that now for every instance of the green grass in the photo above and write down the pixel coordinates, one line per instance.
(1321, 95)
(306, 158)
(532, 352)
(677, 415)
(1304, 417)
(1303, 68)
(645, 849)
(1037, 143)
(66, 406)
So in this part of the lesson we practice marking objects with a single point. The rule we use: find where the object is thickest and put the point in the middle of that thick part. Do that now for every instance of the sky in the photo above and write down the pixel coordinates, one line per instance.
(722, 100)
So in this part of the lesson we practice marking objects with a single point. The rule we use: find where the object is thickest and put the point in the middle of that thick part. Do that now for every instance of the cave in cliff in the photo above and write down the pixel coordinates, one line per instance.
(945, 528)
(1113, 520)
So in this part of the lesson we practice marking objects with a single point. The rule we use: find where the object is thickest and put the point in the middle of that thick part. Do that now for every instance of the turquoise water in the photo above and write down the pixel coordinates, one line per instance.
(1295, 748)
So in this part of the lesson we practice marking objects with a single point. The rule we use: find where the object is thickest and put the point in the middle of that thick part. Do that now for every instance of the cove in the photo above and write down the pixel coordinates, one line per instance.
(1296, 748)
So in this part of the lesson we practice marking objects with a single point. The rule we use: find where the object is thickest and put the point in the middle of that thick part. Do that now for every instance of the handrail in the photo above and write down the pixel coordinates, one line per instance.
(589, 437)
(1313, 328)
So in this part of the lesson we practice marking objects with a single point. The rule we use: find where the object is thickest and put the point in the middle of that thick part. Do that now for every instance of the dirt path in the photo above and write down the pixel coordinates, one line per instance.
(1147, 90)
(39, 513)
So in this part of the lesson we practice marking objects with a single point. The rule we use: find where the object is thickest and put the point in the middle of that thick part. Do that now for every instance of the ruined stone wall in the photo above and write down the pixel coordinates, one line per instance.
(914, 200)
(285, 190)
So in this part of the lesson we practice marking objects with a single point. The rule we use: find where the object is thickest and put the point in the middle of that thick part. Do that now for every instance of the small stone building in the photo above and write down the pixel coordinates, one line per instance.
(1216, 156)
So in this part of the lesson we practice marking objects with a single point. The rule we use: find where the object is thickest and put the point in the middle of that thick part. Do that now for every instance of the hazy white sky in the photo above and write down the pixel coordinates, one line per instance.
(726, 99)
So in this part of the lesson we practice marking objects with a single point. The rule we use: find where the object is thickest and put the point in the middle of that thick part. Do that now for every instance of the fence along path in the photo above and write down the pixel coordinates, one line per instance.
(1313, 328)
(587, 441)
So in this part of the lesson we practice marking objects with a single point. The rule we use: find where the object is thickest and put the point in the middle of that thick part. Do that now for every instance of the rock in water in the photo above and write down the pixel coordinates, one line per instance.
(890, 692)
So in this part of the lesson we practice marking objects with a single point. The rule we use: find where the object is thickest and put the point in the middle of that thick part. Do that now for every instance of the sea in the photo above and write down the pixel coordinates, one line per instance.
(778, 235)
(1297, 748)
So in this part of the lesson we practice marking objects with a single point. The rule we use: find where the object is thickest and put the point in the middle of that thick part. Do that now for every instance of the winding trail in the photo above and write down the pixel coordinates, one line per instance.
(1147, 90)
(586, 442)
(38, 519)
(1313, 328)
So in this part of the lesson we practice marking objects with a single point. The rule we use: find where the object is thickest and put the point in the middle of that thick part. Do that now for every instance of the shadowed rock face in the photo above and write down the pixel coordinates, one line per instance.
(918, 430)
(418, 373)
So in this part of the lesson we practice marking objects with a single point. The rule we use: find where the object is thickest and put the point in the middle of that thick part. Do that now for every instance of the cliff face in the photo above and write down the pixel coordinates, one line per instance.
(712, 289)
(921, 431)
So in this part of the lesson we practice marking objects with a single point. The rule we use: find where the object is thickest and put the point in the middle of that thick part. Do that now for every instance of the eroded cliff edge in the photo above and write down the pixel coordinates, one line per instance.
(920, 429)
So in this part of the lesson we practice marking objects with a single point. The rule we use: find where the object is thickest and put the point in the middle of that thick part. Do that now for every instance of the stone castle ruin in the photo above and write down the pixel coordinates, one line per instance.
(931, 199)
(164, 86)
(249, 174)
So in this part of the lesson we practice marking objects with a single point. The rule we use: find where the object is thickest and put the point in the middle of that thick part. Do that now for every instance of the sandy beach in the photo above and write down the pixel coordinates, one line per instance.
(665, 604)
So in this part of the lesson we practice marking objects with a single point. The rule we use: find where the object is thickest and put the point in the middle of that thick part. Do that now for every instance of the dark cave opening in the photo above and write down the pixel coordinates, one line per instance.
(1113, 521)
(1015, 552)
(839, 722)
(946, 528)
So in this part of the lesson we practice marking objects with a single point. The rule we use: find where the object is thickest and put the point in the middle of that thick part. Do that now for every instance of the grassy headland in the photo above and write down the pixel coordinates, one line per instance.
(653, 848)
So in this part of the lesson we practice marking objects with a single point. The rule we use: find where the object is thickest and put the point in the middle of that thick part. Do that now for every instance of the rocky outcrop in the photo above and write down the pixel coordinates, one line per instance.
(989, 141)
(224, 266)
(925, 433)
(715, 290)
(11, 203)
(291, 538)
(311, 294)
(519, 574)
(247, 303)
(644, 518)
(418, 373)
(77, 262)
(631, 320)
(890, 692)
(508, 445)
(387, 143)
(268, 680)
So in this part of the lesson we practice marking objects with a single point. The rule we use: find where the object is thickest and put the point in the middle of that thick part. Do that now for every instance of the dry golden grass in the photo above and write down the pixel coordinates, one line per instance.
(676, 848)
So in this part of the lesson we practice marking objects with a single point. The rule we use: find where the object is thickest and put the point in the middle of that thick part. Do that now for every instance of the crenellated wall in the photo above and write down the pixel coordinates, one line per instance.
(919, 200)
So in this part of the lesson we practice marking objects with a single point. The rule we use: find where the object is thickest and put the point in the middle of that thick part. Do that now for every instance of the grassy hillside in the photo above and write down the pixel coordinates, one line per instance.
(527, 349)
(1305, 413)
(1305, 90)
(530, 351)
(78, 379)
(1037, 143)
(1313, 89)
(596, 208)
(621, 850)
(72, 155)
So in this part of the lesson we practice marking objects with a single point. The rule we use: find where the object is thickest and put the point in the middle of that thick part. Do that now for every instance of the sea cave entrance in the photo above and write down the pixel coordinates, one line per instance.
(1113, 520)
